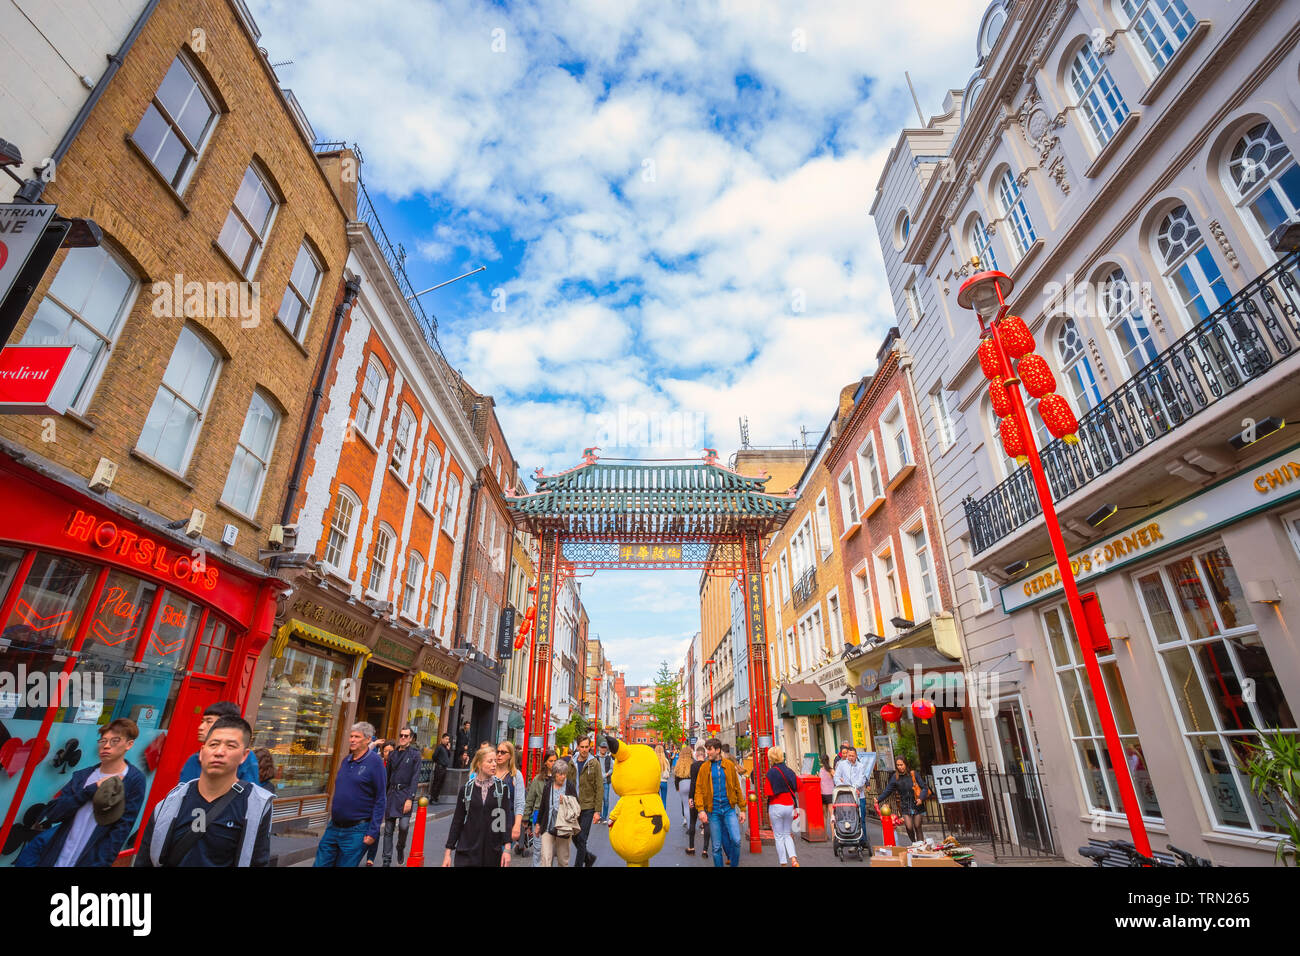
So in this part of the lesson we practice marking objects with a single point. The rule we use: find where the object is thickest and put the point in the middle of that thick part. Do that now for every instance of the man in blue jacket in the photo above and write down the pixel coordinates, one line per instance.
(403, 776)
(95, 810)
(248, 770)
(357, 813)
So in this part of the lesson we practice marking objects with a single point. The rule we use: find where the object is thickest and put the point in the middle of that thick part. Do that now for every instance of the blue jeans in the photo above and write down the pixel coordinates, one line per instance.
(725, 828)
(862, 812)
(609, 800)
(342, 846)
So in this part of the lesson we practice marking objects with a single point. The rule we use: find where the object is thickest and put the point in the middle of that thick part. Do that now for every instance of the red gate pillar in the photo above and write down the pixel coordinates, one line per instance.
(760, 690)
(537, 708)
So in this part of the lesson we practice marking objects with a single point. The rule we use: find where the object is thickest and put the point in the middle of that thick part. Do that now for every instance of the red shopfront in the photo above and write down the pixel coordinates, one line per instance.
(101, 618)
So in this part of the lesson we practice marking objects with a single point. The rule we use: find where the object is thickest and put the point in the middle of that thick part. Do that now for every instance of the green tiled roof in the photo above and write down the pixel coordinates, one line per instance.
(651, 499)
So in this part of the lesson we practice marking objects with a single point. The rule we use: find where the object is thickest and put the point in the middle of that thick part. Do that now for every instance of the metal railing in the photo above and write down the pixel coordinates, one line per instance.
(395, 256)
(1239, 342)
(804, 588)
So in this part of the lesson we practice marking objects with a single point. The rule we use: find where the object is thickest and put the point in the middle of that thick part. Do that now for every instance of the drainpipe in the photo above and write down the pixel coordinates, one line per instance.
(32, 189)
(351, 290)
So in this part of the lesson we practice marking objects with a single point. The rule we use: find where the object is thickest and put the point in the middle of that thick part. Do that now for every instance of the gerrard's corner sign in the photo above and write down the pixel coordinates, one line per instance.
(1258, 487)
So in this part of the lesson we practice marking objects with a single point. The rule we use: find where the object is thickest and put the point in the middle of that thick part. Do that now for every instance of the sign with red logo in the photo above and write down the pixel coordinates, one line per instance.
(21, 224)
(29, 376)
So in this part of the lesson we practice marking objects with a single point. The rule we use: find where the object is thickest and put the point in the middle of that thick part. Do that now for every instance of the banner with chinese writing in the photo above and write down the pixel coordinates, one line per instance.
(754, 603)
(632, 553)
(545, 602)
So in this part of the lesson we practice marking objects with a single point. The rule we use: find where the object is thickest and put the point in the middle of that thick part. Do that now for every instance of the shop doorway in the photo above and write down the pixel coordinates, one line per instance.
(375, 704)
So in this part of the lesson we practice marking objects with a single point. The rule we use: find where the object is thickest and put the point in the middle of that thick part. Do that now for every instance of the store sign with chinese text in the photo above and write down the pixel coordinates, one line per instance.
(651, 553)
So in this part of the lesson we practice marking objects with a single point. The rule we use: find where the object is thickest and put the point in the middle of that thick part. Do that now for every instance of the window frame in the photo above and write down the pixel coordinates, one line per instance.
(933, 599)
(822, 515)
(1011, 200)
(981, 243)
(370, 431)
(945, 429)
(350, 537)
(429, 484)
(894, 412)
(201, 413)
(253, 258)
(414, 561)
(403, 441)
(277, 418)
(850, 513)
(450, 504)
(194, 151)
(1142, 39)
(1245, 200)
(1172, 266)
(1097, 96)
(308, 302)
(1074, 368)
(382, 532)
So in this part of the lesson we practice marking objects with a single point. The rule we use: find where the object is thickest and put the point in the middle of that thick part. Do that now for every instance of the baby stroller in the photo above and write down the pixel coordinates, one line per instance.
(846, 823)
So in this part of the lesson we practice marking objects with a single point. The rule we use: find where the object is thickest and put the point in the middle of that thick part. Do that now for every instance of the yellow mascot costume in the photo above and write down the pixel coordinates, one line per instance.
(639, 822)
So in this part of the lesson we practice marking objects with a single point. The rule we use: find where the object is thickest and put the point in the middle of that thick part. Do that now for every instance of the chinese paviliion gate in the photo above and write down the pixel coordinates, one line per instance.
(649, 516)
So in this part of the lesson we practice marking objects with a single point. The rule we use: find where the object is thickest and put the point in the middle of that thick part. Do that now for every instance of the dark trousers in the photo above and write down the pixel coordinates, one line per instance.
(690, 834)
(580, 838)
(402, 825)
(435, 784)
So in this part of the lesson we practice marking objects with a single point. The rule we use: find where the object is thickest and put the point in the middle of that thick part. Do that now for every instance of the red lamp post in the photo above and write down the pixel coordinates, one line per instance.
(985, 293)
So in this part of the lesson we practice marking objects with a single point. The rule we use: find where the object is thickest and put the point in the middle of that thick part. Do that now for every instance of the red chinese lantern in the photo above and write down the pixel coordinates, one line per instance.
(890, 713)
(1036, 374)
(922, 710)
(1013, 442)
(998, 397)
(1015, 335)
(989, 362)
(1059, 418)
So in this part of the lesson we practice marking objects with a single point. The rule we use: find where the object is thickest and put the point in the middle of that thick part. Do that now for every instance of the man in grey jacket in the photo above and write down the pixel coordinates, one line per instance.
(216, 820)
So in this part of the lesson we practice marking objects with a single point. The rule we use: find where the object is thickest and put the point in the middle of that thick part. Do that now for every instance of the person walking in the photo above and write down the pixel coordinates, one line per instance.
(911, 793)
(606, 761)
(718, 797)
(402, 769)
(699, 761)
(235, 815)
(782, 789)
(92, 814)
(850, 772)
(682, 786)
(357, 811)
(665, 772)
(441, 764)
(533, 799)
(248, 770)
(479, 824)
(827, 779)
(463, 741)
(591, 784)
(513, 781)
(559, 814)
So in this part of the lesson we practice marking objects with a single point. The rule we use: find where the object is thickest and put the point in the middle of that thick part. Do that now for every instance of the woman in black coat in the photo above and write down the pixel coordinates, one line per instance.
(696, 764)
(905, 783)
(480, 824)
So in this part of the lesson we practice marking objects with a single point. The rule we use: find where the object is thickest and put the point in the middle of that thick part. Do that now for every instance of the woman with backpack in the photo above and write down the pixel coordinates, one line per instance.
(912, 793)
(558, 814)
(782, 789)
(479, 828)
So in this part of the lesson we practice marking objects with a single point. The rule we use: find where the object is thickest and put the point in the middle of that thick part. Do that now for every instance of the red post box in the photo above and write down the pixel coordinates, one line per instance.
(810, 805)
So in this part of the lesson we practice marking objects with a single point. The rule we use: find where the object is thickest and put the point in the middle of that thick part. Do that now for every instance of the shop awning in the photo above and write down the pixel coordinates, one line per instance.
(515, 721)
(315, 635)
(800, 700)
(836, 710)
(906, 658)
(424, 677)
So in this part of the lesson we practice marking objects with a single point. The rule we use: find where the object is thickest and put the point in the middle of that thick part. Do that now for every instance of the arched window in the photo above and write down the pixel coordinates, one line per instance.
(1190, 270)
(1075, 367)
(1161, 27)
(1013, 208)
(338, 546)
(402, 441)
(1096, 94)
(380, 561)
(1126, 323)
(981, 245)
(372, 394)
(411, 587)
(436, 600)
(1265, 177)
(995, 18)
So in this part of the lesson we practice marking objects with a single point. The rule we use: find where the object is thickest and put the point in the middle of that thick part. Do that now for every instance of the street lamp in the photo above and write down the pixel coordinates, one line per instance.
(986, 293)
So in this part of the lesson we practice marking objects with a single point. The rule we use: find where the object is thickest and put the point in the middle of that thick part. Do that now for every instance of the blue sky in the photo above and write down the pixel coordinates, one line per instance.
(671, 201)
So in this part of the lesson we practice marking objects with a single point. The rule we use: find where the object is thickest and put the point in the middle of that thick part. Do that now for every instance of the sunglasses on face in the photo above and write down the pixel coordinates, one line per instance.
(403, 735)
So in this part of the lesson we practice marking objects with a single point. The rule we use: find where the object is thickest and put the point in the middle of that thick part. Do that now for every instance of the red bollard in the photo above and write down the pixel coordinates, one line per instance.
(755, 840)
(416, 856)
(886, 827)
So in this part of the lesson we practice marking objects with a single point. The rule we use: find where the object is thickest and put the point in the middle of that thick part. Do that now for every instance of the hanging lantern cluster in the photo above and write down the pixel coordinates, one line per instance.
(1036, 375)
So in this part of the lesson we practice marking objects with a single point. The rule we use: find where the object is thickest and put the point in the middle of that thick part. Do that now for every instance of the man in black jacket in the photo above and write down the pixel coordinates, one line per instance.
(441, 761)
(403, 775)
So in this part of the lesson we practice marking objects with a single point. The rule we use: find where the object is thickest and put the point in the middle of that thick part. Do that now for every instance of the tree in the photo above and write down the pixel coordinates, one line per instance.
(666, 711)
(574, 729)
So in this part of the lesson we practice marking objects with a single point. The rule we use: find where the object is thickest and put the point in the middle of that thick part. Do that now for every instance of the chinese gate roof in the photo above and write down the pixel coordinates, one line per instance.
(656, 500)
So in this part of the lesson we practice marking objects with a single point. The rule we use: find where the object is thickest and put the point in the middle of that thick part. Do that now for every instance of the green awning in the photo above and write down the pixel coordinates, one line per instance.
(515, 721)
(835, 711)
(800, 700)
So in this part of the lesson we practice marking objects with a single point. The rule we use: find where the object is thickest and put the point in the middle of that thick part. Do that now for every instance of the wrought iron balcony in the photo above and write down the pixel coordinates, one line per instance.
(804, 588)
(1240, 342)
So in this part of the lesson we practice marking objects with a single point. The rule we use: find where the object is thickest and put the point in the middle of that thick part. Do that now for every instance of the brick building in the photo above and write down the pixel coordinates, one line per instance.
(198, 325)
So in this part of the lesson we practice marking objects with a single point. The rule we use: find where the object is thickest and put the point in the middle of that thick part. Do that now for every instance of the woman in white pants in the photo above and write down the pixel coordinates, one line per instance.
(782, 789)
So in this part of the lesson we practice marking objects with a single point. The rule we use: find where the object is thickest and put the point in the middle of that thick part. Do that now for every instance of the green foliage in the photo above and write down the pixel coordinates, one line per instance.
(1274, 770)
(575, 729)
(666, 712)
(905, 745)
(742, 745)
